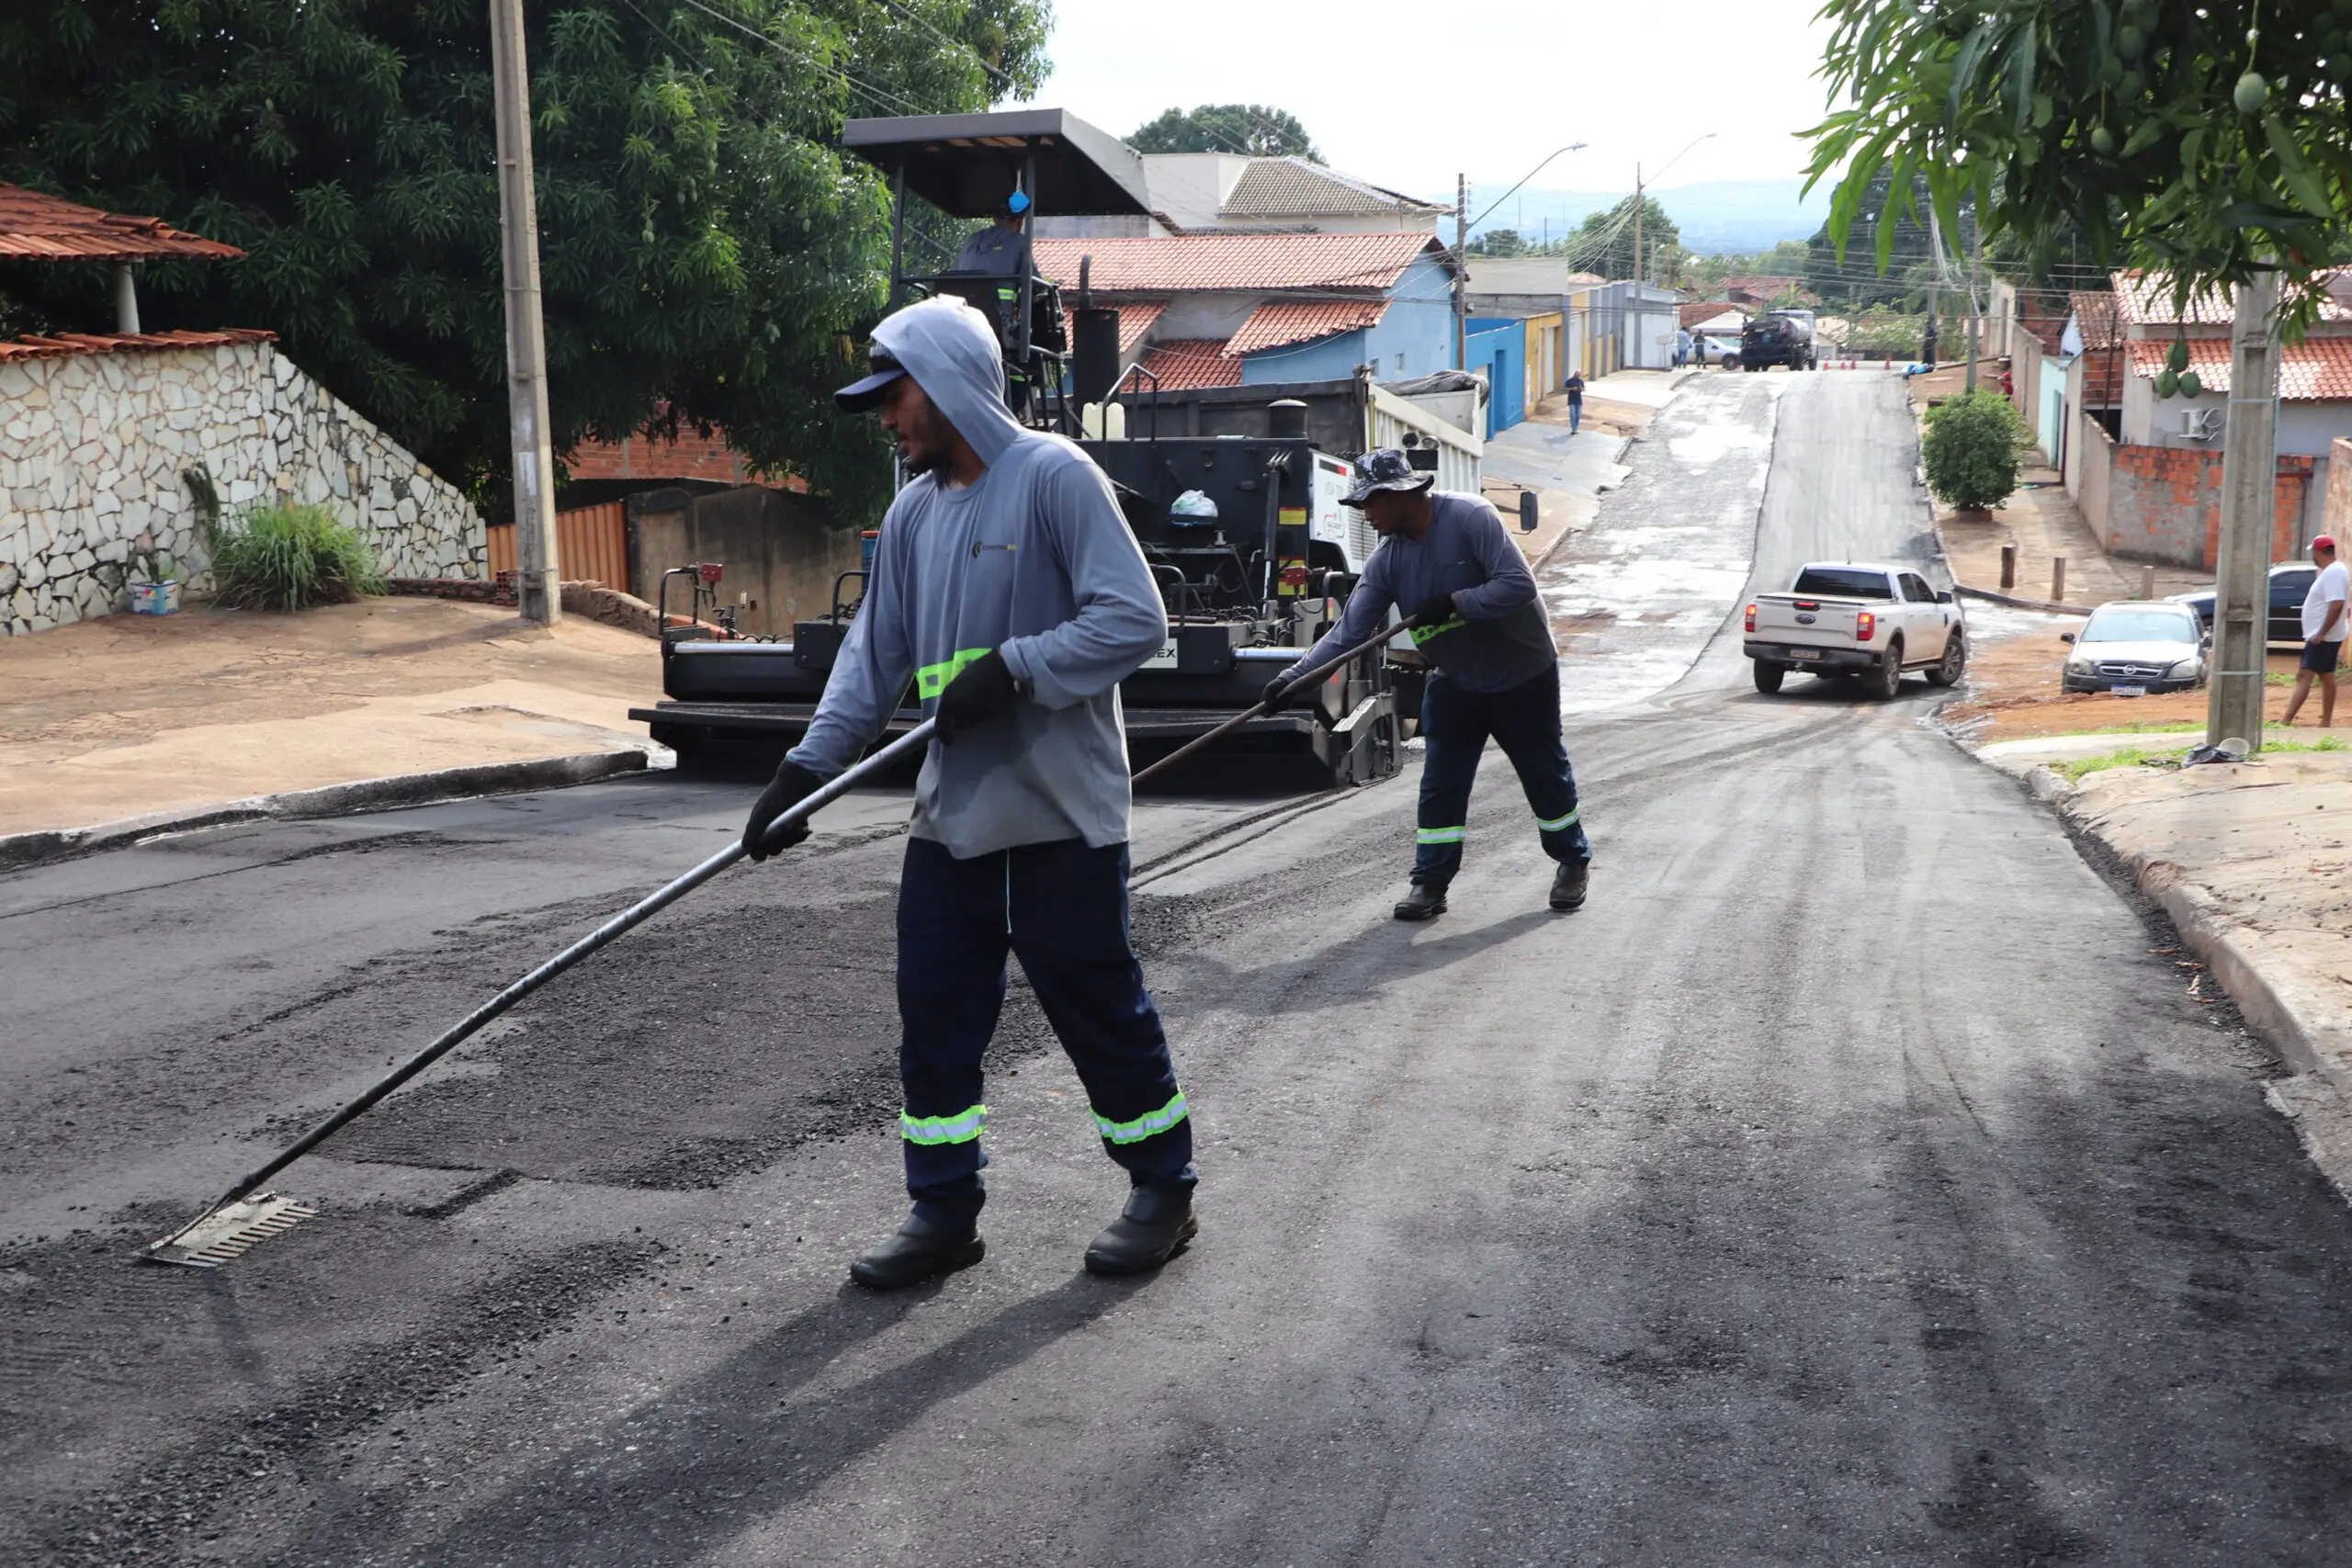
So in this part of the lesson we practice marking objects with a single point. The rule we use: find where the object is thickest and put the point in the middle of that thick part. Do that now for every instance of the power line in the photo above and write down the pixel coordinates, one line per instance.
(880, 97)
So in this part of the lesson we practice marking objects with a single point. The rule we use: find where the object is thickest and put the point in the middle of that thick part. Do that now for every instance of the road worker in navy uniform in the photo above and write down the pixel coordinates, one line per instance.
(1446, 560)
(1008, 593)
(998, 247)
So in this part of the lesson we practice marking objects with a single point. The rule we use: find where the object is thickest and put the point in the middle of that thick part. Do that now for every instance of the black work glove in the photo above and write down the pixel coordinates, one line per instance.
(1434, 610)
(1279, 695)
(792, 784)
(981, 691)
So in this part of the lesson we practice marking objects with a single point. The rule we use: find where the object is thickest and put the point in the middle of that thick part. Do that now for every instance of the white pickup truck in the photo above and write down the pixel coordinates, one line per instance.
(1854, 619)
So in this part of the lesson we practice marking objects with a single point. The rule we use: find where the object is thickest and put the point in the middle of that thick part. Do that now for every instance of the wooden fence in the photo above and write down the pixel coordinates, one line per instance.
(591, 544)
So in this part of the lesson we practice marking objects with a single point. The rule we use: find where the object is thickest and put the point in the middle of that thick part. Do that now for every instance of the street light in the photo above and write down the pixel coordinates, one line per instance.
(1639, 278)
(1462, 240)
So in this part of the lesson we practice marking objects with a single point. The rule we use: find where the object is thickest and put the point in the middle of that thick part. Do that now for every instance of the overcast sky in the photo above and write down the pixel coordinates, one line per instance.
(1407, 95)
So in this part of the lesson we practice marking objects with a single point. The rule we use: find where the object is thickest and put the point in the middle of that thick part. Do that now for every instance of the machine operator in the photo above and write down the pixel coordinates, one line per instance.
(1445, 558)
(998, 247)
(1008, 589)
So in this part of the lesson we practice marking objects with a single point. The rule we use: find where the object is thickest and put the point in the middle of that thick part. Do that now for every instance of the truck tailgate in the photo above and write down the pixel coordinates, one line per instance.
(1813, 623)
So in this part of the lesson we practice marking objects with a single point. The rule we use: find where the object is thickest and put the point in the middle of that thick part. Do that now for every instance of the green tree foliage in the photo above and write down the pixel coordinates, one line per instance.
(1604, 242)
(1259, 130)
(1832, 271)
(707, 254)
(1786, 259)
(2197, 137)
(1502, 242)
(1970, 450)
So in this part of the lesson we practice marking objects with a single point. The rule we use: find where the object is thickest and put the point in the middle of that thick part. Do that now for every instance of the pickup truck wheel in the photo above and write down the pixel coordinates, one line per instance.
(1886, 679)
(1955, 660)
(1768, 675)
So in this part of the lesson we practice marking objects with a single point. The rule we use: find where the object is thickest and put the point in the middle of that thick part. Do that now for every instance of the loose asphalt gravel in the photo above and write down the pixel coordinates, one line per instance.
(1852, 1181)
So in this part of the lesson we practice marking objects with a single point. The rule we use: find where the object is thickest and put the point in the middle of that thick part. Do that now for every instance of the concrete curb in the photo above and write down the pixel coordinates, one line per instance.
(2318, 1098)
(2012, 601)
(21, 849)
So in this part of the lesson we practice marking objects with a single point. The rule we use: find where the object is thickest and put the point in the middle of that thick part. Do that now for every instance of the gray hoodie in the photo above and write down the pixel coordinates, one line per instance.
(1033, 560)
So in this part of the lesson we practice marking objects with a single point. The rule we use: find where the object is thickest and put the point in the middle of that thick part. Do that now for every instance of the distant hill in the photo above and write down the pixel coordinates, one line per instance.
(1715, 216)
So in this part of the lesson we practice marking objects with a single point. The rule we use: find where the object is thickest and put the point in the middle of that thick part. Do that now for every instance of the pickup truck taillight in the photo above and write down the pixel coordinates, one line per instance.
(1751, 617)
(1865, 626)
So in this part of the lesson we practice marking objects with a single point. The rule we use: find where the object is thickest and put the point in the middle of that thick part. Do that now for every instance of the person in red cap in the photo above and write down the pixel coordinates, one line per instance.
(2324, 627)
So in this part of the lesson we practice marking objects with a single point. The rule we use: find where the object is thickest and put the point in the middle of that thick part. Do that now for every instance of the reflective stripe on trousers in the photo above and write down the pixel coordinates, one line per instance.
(1524, 720)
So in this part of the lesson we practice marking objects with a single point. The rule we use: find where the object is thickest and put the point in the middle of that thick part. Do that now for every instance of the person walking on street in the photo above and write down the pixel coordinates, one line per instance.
(1008, 591)
(2324, 627)
(1445, 558)
(1574, 385)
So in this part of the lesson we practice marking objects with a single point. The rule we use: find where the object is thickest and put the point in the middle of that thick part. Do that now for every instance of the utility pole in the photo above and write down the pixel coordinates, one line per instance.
(1637, 224)
(1976, 299)
(536, 581)
(2249, 481)
(1461, 272)
(1935, 249)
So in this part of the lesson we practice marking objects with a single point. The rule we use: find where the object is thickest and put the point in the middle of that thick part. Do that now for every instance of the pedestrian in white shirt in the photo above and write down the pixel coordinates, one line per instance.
(2323, 627)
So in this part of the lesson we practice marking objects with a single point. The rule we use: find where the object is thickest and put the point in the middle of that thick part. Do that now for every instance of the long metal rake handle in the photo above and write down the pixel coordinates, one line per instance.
(612, 929)
(1299, 683)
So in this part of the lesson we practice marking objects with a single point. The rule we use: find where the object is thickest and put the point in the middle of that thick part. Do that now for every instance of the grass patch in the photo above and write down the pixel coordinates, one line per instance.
(2130, 757)
(289, 558)
(2137, 756)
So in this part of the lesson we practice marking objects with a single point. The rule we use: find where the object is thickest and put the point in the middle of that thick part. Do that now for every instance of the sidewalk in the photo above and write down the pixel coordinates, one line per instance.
(2042, 521)
(131, 717)
(2251, 862)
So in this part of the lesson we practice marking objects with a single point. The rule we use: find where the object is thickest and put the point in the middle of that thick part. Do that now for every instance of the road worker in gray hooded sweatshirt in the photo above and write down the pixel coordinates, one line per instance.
(1008, 593)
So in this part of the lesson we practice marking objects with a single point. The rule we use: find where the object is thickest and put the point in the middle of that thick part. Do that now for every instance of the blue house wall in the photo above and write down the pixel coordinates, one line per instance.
(1414, 338)
(1497, 345)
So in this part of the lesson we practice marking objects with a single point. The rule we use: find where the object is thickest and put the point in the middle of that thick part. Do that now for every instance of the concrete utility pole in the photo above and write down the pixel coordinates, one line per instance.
(1935, 276)
(1461, 272)
(2249, 481)
(1637, 224)
(536, 581)
(1975, 301)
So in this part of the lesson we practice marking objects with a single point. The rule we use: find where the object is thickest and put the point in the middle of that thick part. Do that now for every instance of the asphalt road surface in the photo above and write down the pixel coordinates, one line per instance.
(1849, 1183)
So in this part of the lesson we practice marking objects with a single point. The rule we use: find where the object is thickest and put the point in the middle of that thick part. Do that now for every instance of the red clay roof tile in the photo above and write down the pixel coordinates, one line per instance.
(2315, 370)
(49, 228)
(1284, 321)
(64, 346)
(1190, 362)
(1182, 262)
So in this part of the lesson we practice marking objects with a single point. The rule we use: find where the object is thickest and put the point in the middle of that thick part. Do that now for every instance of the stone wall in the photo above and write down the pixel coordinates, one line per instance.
(95, 448)
(2337, 521)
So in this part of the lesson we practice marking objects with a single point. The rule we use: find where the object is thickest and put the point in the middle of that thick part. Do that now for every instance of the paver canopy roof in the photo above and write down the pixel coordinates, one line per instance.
(49, 228)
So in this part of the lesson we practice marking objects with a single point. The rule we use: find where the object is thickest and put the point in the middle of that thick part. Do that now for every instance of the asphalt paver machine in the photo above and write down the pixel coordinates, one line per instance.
(1243, 529)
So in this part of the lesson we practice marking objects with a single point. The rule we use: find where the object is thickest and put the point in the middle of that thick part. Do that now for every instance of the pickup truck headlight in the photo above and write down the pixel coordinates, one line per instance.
(2079, 664)
(2185, 669)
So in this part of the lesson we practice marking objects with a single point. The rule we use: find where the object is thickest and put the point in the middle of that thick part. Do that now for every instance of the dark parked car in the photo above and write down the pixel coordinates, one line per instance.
(2290, 581)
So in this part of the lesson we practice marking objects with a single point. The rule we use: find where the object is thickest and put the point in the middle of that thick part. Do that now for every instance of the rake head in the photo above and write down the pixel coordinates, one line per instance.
(227, 1232)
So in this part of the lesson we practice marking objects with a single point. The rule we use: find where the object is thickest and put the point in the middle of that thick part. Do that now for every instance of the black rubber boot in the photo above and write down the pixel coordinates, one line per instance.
(920, 1249)
(1423, 903)
(1568, 884)
(1154, 1227)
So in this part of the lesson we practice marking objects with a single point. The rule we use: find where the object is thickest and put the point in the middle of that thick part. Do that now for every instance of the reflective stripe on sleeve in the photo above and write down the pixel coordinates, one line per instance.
(1438, 836)
(960, 1128)
(932, 679)
(1143, 1126)
(1422, 634)
(1556, 823)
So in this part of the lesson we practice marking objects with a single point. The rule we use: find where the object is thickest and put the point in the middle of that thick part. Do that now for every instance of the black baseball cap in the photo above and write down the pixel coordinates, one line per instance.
(861, 397)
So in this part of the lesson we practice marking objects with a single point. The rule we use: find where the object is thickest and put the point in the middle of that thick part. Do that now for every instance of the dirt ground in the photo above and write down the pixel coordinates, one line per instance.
(127, 715)
(2011, 691)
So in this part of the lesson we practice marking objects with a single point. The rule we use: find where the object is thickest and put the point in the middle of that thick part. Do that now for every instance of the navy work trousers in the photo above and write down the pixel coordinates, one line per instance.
(1062, 909)
(1524, 720)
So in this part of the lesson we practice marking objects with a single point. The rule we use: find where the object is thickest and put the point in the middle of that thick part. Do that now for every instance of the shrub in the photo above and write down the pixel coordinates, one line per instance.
(289, 557)
(1972, 450)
